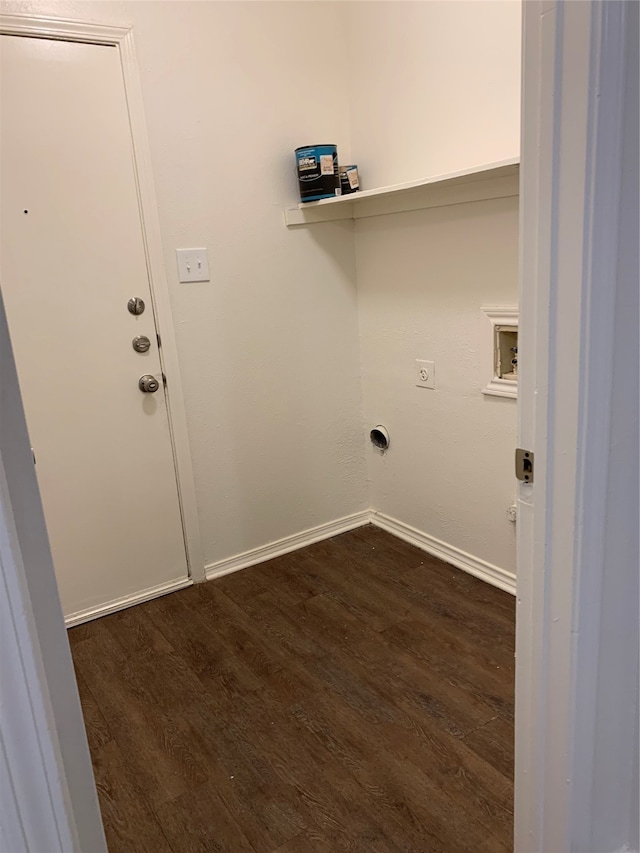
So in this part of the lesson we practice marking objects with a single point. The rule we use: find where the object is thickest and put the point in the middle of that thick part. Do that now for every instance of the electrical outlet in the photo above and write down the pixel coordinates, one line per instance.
(425, 374)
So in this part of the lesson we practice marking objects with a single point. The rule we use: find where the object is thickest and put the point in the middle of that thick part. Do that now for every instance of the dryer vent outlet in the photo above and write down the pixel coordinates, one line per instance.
(379, 437)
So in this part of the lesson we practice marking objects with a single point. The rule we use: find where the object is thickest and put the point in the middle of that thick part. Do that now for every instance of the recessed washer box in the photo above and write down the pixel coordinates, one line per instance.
(503, 367)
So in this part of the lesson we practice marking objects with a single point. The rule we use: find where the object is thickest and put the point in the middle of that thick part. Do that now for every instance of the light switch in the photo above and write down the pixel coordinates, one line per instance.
(193, 265)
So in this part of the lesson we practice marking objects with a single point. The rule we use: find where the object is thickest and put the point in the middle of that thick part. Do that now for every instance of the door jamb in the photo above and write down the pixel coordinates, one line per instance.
(571, 182)
(122, 39)
(48, 797)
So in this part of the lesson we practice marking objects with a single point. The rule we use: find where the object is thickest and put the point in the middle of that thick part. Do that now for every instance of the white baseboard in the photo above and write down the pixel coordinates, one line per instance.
(81, 616)
(449, 553)
(286, 545)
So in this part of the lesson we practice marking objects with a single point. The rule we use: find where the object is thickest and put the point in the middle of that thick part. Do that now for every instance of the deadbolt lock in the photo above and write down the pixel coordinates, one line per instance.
(148, 384)
(135, 305)
(141, 343)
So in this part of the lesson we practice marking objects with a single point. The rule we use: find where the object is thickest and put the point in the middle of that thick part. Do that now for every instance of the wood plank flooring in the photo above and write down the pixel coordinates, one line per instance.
(355, 695)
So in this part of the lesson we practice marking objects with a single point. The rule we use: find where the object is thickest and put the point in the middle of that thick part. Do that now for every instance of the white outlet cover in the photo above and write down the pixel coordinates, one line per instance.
(425, 373)
(193, 265)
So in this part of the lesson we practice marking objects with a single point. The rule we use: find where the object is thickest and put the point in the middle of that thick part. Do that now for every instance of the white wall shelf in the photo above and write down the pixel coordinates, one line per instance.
(492, 180)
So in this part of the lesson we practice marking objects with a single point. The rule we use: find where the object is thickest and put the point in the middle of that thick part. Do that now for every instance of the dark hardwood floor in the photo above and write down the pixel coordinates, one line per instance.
(355, 695)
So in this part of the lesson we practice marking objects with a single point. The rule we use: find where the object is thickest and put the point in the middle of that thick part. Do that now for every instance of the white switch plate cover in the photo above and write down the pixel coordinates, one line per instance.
(193, 264)
(425, 373)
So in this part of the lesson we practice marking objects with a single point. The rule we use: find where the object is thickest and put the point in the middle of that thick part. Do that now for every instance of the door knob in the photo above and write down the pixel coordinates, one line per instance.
(141, 343)
(135, 305)
(148, 383)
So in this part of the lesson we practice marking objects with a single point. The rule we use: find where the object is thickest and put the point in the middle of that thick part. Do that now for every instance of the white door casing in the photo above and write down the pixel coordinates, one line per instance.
(572, 179)
(48, 798)
(100, 273)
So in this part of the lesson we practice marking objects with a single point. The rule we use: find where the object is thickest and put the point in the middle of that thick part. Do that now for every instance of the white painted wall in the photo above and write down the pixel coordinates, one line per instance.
(422, 278)
(435, 86)
(269, 348)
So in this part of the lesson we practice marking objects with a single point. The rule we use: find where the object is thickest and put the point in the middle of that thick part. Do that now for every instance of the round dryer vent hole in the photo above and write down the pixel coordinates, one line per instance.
(379, 437)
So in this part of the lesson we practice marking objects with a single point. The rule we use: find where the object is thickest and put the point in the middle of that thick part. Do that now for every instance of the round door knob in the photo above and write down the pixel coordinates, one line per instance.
(135, 305)
(141, 343)
(148, 383)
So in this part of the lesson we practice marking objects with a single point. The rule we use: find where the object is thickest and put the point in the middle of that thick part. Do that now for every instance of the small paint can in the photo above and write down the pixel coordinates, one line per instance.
(349, 180)
(317, 167)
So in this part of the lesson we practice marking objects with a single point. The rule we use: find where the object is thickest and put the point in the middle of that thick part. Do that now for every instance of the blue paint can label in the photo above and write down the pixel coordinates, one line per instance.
(317, 167)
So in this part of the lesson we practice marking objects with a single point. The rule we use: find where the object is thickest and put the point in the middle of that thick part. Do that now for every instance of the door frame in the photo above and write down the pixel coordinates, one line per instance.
(48, 797)
(573, 125)
(123, 40)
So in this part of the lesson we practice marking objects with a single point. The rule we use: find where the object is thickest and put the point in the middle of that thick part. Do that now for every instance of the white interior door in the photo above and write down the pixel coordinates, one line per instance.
(72, 256)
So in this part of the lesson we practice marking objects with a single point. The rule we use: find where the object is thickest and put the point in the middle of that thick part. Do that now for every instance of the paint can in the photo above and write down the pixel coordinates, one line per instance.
(318, 176)
(349, 180)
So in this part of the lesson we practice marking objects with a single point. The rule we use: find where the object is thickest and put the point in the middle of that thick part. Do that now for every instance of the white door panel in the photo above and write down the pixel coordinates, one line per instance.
(72, 256)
